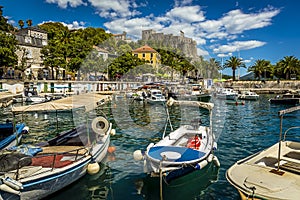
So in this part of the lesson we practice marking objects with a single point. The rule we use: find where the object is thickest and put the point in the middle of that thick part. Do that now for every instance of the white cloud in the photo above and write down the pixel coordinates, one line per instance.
(236, 21)
(202, 52)
(71, 26)
(66, 3)
(238, 46)
(187, 13)
(182, 2)
(116, 9)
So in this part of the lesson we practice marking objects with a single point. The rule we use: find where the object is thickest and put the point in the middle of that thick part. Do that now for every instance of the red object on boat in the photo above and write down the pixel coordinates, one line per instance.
(48, 161)
(194, 142)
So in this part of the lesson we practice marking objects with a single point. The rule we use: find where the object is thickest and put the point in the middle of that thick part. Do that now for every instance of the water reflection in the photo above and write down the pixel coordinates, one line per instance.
(190, 186)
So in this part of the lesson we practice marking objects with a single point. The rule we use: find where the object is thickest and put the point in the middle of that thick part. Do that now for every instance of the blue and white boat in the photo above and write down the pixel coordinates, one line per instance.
(56, 163)
(10, 135)
(188, 148)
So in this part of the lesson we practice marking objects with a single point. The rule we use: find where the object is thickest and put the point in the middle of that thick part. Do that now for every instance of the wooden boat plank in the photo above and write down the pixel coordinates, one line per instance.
(62, 149)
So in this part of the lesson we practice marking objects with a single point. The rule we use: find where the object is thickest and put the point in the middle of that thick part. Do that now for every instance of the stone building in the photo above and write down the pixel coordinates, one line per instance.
(122, 36)
(31, 40)
(149, 54)
(187, 45)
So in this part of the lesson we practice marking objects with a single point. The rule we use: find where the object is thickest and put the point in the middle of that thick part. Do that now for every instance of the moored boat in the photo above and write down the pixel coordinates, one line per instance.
(155, 96)
(11, 134)
(272, 173)
(288, 98)
(184, 150)
(248, 95)
(226, 93)
(58, 162)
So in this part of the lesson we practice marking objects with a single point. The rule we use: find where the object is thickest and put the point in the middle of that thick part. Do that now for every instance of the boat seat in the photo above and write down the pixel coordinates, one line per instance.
(64, 149)
(291, 167)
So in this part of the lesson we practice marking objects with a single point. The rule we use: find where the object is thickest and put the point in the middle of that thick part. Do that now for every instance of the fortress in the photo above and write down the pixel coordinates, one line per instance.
(187, 45)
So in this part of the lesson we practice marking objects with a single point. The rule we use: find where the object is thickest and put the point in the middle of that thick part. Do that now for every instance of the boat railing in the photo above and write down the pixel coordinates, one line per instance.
(291, 128)
(75, 155)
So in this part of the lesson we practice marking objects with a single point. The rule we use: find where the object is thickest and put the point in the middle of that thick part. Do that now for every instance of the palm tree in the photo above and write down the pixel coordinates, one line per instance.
(29, 22)
(289, 65)
(213, 67)
(234, 63)
(21, 23)
(260, 67)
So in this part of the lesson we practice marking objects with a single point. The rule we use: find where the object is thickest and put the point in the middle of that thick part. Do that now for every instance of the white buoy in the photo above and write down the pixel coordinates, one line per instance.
(201, 164)
(93, 168)
(216, 161)
(137, 155)
(210, 157)
(113, 132)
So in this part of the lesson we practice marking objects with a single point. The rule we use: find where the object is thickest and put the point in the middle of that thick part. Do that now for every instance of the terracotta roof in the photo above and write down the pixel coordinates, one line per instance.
(144, 49)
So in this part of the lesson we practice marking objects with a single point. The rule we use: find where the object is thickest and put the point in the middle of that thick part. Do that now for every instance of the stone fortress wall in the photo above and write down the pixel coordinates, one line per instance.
(187, 45)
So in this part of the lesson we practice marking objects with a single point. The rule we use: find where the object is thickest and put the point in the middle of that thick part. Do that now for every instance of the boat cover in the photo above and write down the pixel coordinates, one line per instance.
(177, 154)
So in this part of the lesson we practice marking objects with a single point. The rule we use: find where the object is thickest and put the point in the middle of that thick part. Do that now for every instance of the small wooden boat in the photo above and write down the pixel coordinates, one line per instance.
(187, 149)
(273, 173)
(58, 162)
(11, 134)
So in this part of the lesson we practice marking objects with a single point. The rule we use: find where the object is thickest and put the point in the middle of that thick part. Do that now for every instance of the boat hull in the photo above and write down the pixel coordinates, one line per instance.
(258, 176)
(45, 185)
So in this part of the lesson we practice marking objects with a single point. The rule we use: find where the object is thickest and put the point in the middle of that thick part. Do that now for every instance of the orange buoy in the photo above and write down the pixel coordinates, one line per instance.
(111, 149)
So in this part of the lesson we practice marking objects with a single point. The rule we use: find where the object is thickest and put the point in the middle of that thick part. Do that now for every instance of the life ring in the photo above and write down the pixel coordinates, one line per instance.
(194, 142)
(100, 125)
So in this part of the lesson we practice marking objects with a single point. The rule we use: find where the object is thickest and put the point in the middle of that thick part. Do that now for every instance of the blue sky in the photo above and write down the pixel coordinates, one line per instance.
(250, 29)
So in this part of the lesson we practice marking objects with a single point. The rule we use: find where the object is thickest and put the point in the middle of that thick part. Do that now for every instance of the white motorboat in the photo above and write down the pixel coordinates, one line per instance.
(248, 95)
(273, 173)
(155, 96)
(226, 93)
(187, 149)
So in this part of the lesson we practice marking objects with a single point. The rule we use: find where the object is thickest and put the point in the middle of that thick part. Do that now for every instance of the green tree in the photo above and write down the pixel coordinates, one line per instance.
(4, 26)
(260, 68)
(234, 63)
(8, 48)
(22, 66)
(123, 64)
(21, 23)
(287, 66)
(29, 22)
(213, 68)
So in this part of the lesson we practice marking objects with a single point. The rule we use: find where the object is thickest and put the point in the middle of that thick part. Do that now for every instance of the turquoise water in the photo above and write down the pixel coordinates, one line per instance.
(240, 131)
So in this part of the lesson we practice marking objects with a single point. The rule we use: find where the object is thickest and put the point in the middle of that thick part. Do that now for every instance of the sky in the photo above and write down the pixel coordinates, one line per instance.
(248, 29)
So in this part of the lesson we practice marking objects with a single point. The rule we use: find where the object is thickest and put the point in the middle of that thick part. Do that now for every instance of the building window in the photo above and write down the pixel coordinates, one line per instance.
(151, 55)
(136, 55)
(144, 55)
(28, 53)
(27, 39)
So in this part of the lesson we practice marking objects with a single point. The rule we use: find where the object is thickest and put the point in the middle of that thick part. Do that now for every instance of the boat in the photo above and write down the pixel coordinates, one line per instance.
(58, 162)
(235, 102)
(226, 93)
(194, 92)
(155, 96)
(288, 98)
(274, 172)
(11, 134)
(183, 151)
(37, 98)
(248, 95)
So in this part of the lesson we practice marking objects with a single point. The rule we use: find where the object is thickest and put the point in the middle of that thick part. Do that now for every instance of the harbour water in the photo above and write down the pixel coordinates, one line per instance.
(240, 130)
